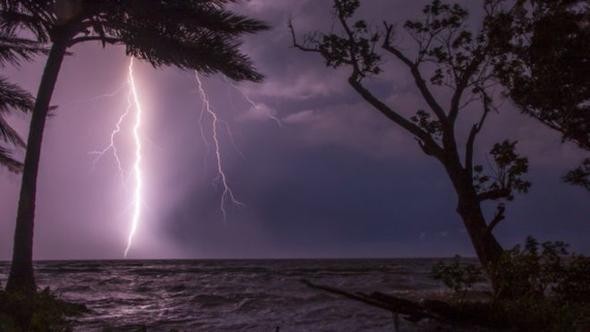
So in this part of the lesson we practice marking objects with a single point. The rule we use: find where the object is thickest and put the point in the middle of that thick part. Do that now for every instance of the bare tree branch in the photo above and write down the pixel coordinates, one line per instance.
(427, 143)
(475, 129)
(414, 69)
(495, 194)
(299, 46)
(463, 83)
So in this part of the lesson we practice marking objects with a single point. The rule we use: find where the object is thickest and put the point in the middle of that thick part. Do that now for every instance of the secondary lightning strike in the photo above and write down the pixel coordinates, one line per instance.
(253, 105)
(204, 137)
(227, 190)
(137, 198)
(133, 102)
(96, 98)
(112, 146)
(232, 140)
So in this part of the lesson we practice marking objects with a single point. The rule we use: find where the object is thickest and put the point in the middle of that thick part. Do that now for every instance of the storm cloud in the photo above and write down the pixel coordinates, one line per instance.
(333, 179)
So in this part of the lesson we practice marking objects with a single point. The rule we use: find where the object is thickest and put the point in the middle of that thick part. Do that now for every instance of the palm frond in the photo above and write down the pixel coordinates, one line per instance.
(13, 49)
(35, 16)
(191, 34)
(193, 16)
(196, 35)
(9, 135)
(12, 97)
(206, 52)
(9, 162)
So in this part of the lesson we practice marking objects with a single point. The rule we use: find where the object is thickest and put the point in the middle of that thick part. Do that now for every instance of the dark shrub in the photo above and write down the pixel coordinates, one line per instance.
(457, 275)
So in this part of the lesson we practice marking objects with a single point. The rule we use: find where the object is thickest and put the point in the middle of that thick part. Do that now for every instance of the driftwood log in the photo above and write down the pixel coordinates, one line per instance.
(409, 310)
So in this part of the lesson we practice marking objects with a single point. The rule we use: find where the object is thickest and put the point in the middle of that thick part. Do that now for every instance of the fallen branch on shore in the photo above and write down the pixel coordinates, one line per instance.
(414, 311)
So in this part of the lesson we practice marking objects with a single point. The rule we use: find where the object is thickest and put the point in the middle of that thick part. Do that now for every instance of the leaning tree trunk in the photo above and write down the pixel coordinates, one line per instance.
(21, 276)
(486, 246)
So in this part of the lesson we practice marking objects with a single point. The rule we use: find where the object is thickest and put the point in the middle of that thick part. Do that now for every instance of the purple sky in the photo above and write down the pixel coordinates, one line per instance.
(336, 180)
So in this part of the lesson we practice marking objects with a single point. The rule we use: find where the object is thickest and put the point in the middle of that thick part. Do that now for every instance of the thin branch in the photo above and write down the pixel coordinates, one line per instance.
(387, 45)
(107, 40)
(497, 218)
(427, 142)
(475, 129)
(493, 195)
(463, 83)
(300, 46)
(352, 42)
(420, 82)
(468, 102)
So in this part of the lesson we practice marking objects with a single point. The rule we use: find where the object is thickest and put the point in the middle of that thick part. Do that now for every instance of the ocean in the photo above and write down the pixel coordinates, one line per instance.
(232, 295)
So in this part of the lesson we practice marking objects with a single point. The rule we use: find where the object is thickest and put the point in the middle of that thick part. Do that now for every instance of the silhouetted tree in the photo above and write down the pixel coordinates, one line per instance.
(544, 62)
(189, 34)
(448, 55)
(12, 98)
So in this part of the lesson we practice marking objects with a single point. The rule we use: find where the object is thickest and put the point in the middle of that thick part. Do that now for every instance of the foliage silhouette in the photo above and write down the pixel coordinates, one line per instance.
(543, 61)
(13, 50)
(551, 288)
(43, 311)
(448, 55)
(457, 275)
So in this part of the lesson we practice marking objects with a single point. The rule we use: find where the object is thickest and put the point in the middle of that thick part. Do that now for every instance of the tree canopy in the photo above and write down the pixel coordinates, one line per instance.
(543, 61)
(189, 34)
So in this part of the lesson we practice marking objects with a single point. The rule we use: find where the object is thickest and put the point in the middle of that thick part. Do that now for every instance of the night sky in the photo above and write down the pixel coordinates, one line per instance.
(337, 179)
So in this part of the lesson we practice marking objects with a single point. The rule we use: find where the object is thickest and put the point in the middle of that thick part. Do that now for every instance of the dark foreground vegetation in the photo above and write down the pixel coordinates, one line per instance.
(540, 287)
(42, 311)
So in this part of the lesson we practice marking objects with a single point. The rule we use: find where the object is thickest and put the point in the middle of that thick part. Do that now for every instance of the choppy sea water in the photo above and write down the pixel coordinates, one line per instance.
(232, 295)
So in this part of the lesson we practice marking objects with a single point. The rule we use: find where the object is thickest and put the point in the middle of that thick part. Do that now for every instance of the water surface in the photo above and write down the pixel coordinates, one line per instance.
(231, 295)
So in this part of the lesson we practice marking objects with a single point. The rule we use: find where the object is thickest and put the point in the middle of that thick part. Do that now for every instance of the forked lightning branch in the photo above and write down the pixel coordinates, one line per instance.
(134, 105)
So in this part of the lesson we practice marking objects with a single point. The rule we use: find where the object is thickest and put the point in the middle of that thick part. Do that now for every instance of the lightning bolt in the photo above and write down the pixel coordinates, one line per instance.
(228, 194)
(112, 146)
(232, 140)
(203, 136)
(133, 103)
(96, 98)
(137, 197)
(253, 105)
